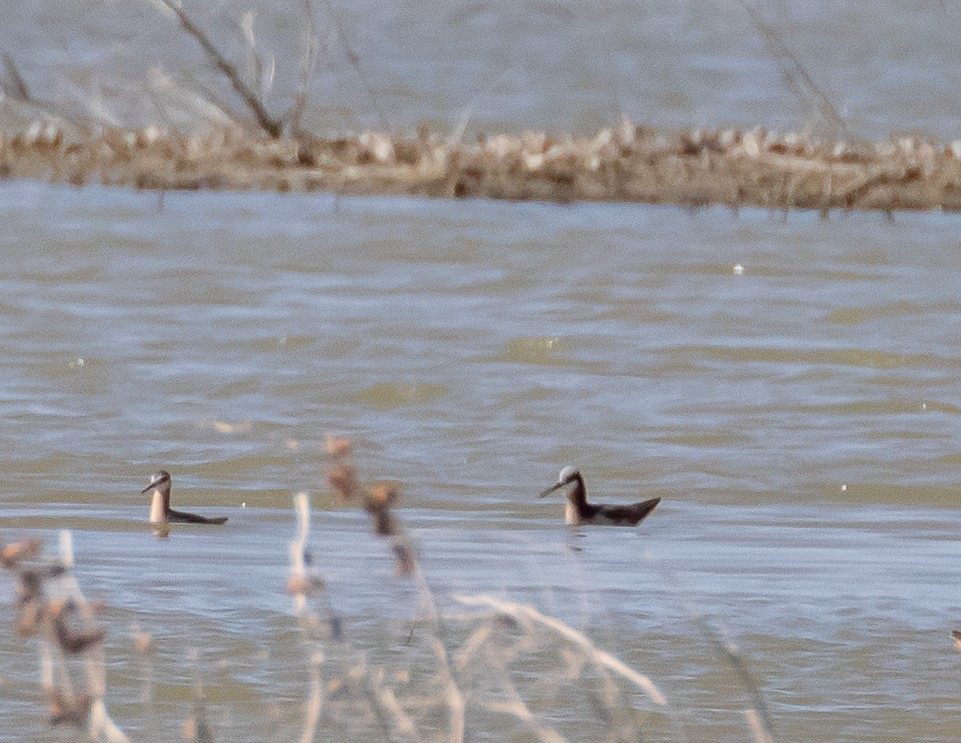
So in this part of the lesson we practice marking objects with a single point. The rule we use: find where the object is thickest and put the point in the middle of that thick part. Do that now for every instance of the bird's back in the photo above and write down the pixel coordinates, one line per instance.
(193, 518)
(626, 515)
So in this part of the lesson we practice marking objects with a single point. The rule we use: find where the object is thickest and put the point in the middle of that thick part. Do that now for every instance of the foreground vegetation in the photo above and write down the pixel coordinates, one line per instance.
(490, 662)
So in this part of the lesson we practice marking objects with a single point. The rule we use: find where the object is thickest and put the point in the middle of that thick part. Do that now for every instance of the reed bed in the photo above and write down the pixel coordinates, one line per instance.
(628, 162)
(461, 672)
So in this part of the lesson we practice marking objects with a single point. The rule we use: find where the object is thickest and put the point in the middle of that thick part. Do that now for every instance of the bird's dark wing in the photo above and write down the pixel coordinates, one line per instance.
(634, 513)
(192, 518)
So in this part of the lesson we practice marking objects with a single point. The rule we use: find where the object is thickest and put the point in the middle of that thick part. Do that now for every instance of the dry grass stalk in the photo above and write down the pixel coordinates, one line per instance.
(452, 694)
(14, 87)
(262, 72)
(600, 657)
(728, 651)
(51, 608)
(196, 728)
(515, 706)
(759, 729)
(379, 500)
(389, 713)
(315, 703)
(101, 725)
(302, 582)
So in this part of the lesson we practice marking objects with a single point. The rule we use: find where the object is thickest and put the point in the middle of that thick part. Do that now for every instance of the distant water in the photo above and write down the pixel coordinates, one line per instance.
(885, 66)
(788, 385)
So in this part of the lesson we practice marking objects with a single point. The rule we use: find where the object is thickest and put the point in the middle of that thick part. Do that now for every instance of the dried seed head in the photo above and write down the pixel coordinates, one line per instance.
(343, 479)
(404, 561)
(336, 447)
(68, 710)
(13, 554)
(383, 495)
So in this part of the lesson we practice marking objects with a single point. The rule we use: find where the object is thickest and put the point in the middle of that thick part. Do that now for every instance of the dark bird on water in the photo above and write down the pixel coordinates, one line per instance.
(160, 510)
(579, 511)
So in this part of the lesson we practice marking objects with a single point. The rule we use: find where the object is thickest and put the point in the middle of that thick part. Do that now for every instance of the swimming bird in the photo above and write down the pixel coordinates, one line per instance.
(579, 511)
(160, 510)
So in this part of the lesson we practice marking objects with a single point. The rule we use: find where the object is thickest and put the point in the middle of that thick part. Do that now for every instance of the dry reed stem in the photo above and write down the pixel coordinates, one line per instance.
(516, 707)
(302, 583)
(388, 700)
(759, 714)
(100, 723)
(758, 727)
(196, 728)
(728, 652)
(455, 700)
(387, 711)
(600, 657)
(298, 550)
(472, 645)
(262, 73)
(16, 89)
(315, 702)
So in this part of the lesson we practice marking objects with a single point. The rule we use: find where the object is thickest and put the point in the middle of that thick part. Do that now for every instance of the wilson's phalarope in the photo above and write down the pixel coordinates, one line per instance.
(160, 510)
(579, 511)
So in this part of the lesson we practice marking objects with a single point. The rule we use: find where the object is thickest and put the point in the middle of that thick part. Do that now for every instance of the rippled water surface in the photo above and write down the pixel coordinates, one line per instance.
(788, 385)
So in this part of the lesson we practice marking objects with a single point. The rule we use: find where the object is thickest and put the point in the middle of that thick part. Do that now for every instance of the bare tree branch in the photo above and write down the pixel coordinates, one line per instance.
(796, 75)
(18, 89)
(272, 126)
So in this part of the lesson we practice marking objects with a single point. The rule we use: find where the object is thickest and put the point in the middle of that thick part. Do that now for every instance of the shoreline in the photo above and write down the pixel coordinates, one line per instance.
(624, 163)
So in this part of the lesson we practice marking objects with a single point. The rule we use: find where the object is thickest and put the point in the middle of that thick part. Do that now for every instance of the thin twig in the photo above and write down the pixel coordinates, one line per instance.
(729, 652)
(298, 551)
(18, 90)
(795, 74)
(95, 662)
(467, 111)
(515, 706)
(264, 119)
(354, 59)
(455, 700)
(311, 44)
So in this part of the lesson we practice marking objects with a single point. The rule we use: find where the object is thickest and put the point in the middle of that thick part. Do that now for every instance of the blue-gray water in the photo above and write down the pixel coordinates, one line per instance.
(799, 415)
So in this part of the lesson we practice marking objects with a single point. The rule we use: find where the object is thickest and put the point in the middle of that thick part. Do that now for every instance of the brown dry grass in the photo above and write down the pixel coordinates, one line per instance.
(628, 163)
